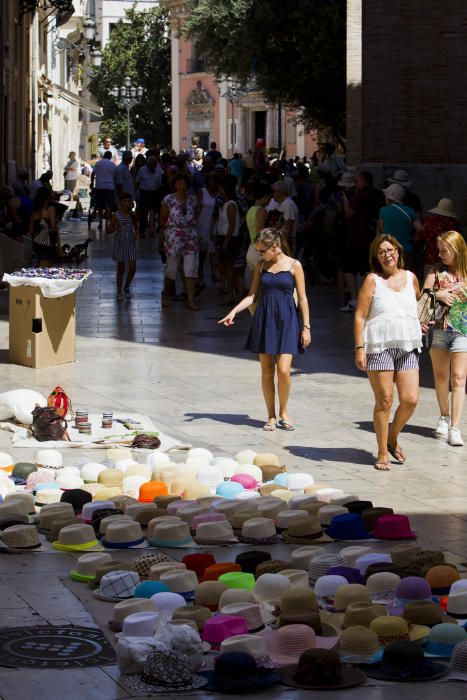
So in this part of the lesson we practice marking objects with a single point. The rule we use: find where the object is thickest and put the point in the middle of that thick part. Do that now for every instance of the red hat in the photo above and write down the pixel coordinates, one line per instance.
(212, 572)
(393, 527)
(151, 489)
(198, 562)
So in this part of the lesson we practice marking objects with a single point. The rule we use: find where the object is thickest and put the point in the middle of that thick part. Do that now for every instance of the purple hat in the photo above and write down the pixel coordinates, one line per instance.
(352, 575)
(409, 589)
(221, 627)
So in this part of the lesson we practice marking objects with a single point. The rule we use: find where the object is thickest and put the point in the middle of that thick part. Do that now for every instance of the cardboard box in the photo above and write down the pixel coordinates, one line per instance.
(42, 331)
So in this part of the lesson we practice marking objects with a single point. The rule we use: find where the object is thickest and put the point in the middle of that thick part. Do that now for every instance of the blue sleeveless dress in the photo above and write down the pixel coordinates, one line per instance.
(275, 329)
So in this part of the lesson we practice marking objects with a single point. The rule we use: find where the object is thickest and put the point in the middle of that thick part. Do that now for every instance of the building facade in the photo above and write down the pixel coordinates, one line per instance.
(218, 112)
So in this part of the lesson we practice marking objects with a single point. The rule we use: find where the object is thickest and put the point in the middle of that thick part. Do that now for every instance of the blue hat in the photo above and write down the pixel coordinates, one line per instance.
(139, 141)
(229, 489)
(146, 589)
(348, 527)
(281, 479)
(48, 485)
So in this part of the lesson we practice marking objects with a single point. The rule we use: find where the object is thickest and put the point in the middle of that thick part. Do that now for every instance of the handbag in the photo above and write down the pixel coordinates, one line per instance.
(426, 307)
(48, 425)
(59, 400)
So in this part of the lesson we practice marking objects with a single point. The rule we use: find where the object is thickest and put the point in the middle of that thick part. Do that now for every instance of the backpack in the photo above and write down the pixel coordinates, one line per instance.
(59, 400)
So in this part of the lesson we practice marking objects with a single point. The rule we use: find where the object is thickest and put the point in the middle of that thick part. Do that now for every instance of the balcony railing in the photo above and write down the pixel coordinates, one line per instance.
(195, 65)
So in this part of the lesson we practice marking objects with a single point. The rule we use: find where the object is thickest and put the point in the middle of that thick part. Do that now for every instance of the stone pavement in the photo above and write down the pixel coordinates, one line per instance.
(198, 384)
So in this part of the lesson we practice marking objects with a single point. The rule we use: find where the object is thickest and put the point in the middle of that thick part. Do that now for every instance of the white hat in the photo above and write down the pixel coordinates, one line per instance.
(47, 496)
(215, 533)
(327, 585)
(210, 476)
(200, 453)
(245, 456)
(140, 624)
(117, 453)
(300, 557)
(157, 459)
(285, 517)
(298, 482)
(400, 177)
(251, 470)
(347, 180)
(123, 464)
(6, 462)
(138, 470)
(49, 458)
(69, 481)
(251, 644)
(364, 561)
(131, 484)
(395, 193)
(351, 554)
(270, 587)
(90, 471)
(167, 601)
(227, 465)
(89, 508)
(117, 585)
(445, 207)
(297, 577)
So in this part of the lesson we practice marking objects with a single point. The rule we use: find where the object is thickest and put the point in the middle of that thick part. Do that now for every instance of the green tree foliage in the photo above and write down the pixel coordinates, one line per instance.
(138, 47)
(295, 51)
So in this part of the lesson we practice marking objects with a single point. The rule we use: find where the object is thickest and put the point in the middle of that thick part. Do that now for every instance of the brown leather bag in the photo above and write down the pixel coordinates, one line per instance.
(48, 425)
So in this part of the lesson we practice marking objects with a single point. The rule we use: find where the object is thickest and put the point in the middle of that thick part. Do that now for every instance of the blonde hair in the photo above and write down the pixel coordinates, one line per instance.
(271, 237)
(375, 265)
(456, 243)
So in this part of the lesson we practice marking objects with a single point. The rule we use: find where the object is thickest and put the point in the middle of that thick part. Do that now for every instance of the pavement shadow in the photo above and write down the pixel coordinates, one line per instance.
(229, 418)
(354, 455)
(421, 430)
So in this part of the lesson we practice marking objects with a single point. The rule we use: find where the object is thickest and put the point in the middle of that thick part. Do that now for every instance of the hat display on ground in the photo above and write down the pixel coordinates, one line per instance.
(440, 578)
(124, 534)
(87, 564)
(405, 662)
(127, 607)
(117, 585)
(251, 644)
(250, 612)
(300, 557)
(198, 613)
(306, 530)
(20, 538)
(142, 564)
(172, 534)
(391, 627)
(237, 672)
(220, 627)
(442, 640)
(286, 644)
(249, 560)
(165, 672)
(382, 586)
(77, 538)
(208, 594)
(458, 663)
(359, 645)
(181, 581)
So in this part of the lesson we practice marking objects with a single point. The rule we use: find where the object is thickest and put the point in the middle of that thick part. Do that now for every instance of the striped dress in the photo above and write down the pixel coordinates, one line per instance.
(124, 242)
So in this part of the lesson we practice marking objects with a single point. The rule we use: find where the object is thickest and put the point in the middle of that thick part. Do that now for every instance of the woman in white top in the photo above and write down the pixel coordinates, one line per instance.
(207, 198)
(388, 337)
(228, 234)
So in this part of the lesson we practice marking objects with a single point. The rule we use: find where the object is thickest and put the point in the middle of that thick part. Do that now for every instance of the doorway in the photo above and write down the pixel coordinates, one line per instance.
(260, 126)
(203, 139)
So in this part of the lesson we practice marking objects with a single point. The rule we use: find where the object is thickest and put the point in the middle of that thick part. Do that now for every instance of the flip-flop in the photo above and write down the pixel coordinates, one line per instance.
(381, 465)
(397, 453)
(285, 424)
(269, 427)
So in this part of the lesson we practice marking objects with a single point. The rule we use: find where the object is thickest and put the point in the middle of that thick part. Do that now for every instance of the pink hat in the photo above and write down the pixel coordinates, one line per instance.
(221, 627)
(286, 644)
(247, 481)
(393, 527)
(175, 505)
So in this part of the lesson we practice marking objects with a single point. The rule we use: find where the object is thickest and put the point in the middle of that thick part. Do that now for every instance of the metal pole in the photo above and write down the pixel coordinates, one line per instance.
(233, 125)
(279, 127)
(128, 110)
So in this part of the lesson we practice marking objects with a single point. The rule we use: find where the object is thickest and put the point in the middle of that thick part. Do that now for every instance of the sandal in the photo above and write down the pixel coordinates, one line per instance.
(285, 424)
(397, 453)
(382, 465)
(270, 427)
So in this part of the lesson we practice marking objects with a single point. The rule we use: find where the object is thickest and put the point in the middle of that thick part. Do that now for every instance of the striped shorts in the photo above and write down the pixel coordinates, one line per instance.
(392, 360)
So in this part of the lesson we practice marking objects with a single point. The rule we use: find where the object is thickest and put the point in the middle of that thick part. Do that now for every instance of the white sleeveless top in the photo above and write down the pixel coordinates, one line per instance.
(392, 321)
(223, 222)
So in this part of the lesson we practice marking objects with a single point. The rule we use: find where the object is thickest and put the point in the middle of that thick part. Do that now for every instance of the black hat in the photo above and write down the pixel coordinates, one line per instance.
(405, 661)
(77, 498)
(358, 506)
(237, 672)
(321, 669)
(99, 515)
(250, 560)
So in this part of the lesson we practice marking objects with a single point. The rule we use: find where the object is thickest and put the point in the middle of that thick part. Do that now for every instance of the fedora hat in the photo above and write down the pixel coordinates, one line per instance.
(101, 519)
(328, 494)
(443, 638)
(327, 513)
(143, 563)
(124, 534)
(252, 644)
(87, 564)
(13, 520)
(271, 566)
(164, 501)
(160, 519)
(237, 672)
(321, 563)
(77, 538)
(370, 516)
(150, 489)
(207, 518)
(359, 645)
(90, 508)
(148, 588)
(57, 523)
(215, 533)
(21, 471)
(269, 471)
(228, 508)
(300, 557)
(103, 569)
(366, 560)
(348, 527)
(188, 512)
(405, 662)
(404, 554)
(90, 471)
(198, 562)
(351, 593)
(268, 508)
(286, 644)
(400, 177)
(77, 498)
(423, 561)
(360, 614)
(258, 531)
(165, 672)
(20, 538)
(220, 627)
(393, 527)
(458, 663)
(213, 571)
(265, 458)
(285, 517)
(156, 570)
(298, 601)
(122, 501)
(321, 669)
(270, 587)
(199, 614)
(180, 581)
(306, 530)
(349, 573)
(250, 612)
(425, 612)
(391, 627)
(117, 585)
(13, 508)
(347, 180)
(409, 589)
(297, 577)
(352, 553)
(445, 207)
(250, 559)
(456, 604)
(238, 579)
(382, 586)
(358, 506)
(134, 509)
(172, 534)
(395, 193)
(23, 501)
(127, 607)
(440, 578)
(208, 594)
(240, 517)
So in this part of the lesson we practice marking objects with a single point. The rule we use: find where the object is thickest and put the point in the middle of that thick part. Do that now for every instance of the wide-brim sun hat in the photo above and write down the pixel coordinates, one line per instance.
(400, 177)
(321, 669)
(445, 207)
(395, 193)
(404, 662)
(286, 644)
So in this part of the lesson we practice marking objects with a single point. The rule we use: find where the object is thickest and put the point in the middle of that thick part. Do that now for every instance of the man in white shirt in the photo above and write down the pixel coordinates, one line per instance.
(107, 146)
(102, 179)
(123, 179)
(71, 173)
(148, 181)
(140, 147)
(289, 212)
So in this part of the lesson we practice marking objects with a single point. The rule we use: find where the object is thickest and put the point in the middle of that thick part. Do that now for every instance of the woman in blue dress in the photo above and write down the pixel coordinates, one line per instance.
(275, 332)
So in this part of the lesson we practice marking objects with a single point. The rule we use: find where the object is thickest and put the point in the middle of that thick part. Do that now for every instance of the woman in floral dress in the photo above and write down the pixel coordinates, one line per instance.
(177, 221)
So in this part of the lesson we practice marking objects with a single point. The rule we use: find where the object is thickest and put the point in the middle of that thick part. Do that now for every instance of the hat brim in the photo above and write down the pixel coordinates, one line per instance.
(110, 599)
(349, 678)
(135, 682)
(448, 215)
(432, 671)
(306, 540)
(402, 183)
(270, 636)
(202, 541)
(263, 680)
(82, 578)
(391, 197)
(122, 545)
(20, 550)
(170, 545)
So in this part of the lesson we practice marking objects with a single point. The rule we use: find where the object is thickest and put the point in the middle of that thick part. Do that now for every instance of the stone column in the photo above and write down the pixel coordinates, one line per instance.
(175, 69)
(242, 126)
(354, 82)
(271, 127)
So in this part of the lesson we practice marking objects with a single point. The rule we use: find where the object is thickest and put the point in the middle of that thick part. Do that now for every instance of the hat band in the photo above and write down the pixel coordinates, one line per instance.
(86, 545)
(312, 536)
(25, 547)
(259, 540)
(457, 615)
(169, 543)
(122, 545)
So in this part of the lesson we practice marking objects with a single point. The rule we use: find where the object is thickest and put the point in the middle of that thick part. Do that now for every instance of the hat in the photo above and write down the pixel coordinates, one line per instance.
(327, 513)
(349, 573)
(117, 585)
(165, 672)
(198, 562)
(226, 465)
(300, 557)
(87, 564)
(90, 508)
(306, 530)
(250, 470)
(149, 490)
(215, 533)
(167, 601)
(391, 627)
(400, 177)
(258, 531)
(348, 527)
(49, 458)
(105, 568)
(327, 585)
(110, 477)
(228, 489)
(271, 566)
(347, 180)
(321, 669)
(404, 553)
(237, 672)
(189, 511)
(460, 585)
(298, 601)
(382, 586)
(270, 587)
(124, 534)
(90, 471)
(35, 478)
(445, 207)
(351, 593)
(252, 644)
(47, 496)
(394, 193)
(147, 589)
(320, 563)
(425, 612)
(404, 662)
(180, 581)
(408, 589)
(238, 580)
(128, 607)
(140, 624)
(143, 563)
(423, 561)
(361, 614)
(364, 561)
(213, 571)
(250, 612)
(393, 527)
(285, 517)
(77, 538)
(371, 515)
(221, 627)
(458, 663)
(359, 645)
(262, 458)
(20, 538)
(57, 523)
(156, 570)
(358, 506)
(441, 577)
(144, 517)
(207, 518)
(21, 470)
(171, 534)
(198, 613)
(286, 644)
(164, 501)
(77, 498)
(228, 507)
(457, 604)
(194, 490)
(250, 559)
(208, 594)
(297, 577)
(21, 503)
(269, 471)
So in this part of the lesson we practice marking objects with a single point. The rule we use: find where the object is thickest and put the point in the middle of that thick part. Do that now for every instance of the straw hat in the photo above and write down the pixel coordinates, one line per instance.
(297, 577)
(306, 530)
(132, 484)
(404, 553)
(259, 531)
(264, 458)
(445, 207)
(144, 562)
(101, 519)
(395, 193)
(181, 581)
(226, 465)
(382, 586)
(251, 470)
(327, 513)
(50, 458)
(133, 509)
(110, 477)
(321, 563)
(359, 645)
(87, 564)
(77, 538)
(284, 494)
(392, 627)
(90, 471)
(252, 644)
(404, 661)
(208, 518)
(298, 601)
(171, 534)
(241, 517)
(361, 614)
(103, 569)
(328, 494)
(228, 508)
(351, 593)
(208, 594)
(426, 612)
(20, 538)
(107, 492)
(400, 177)
(271, 566)
(285, 517)
(15, 509)
(236, 595)
(128, 607)
(53, 512)
(215, 533)
(300, 557)
(270, 587)
(188, 512)
(196, 613)
(286, 644)
(57, 524)
(124, 534)
(270, 471)
(194, 490)
(47, 496)
(117, 585)
(156, 570)
(250, 612)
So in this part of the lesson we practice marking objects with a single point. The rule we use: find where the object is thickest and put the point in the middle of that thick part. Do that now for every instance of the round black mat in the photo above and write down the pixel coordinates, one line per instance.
(54, 647)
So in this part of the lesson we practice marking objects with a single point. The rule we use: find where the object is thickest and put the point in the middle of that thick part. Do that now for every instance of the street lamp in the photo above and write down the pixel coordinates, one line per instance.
(233, 94)
(127, 96)
(86, 47)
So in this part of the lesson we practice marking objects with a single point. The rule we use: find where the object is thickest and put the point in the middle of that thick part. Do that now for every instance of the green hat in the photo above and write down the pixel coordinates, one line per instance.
(238, 579)
(21, 470)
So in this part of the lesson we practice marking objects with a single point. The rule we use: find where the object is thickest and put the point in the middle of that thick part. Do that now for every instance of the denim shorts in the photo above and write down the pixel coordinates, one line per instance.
(449, 340)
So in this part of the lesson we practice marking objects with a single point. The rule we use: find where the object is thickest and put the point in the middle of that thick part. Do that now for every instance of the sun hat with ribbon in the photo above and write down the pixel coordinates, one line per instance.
(77, 538)
(286, 644)
(321, 563)
(359, 645)
(404, 662)
(391, 627)
(181, 581)
(382, 586)
(172, 534)
(215, 533)
(124, 534)
(220, 627)
(440, 578)
(127, 607)
(208, 594)
(395, 193)
(198, 613)
(106, 568)
(87, 564)
(321, 669)
(348, 527)
(250, 559)
(198, 562)
(117, 585)
(443, 638)
(20, 539)
(237, 672)
(285, 517)
(306, 530)
(165, 672)
(300, 557)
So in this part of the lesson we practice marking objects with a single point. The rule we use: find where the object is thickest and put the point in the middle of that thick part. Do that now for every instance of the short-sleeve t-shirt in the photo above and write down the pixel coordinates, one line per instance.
(289, 211)
(398, 222)
(104, 173)
(123, 177)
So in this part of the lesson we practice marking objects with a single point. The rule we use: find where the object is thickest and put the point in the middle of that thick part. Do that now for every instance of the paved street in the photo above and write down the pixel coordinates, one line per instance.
(198, 384)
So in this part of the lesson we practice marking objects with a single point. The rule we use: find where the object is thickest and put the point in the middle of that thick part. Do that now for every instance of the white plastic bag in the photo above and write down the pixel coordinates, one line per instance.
(19, 404)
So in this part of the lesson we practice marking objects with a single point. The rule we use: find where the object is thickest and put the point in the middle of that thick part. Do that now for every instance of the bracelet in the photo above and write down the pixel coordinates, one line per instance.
(359, 347)
(307, 327)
